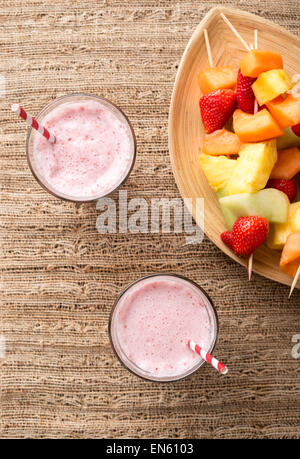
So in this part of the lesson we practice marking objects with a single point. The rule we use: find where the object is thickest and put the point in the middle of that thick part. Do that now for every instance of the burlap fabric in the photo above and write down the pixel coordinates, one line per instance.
(60, 277)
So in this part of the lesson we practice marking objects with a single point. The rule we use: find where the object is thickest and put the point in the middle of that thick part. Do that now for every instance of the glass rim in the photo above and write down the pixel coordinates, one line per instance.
(147, 276)
(100, 98)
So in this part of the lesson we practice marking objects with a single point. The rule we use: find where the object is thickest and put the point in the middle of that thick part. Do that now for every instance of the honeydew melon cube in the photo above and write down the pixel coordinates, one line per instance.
(268, 203)
(288, 140)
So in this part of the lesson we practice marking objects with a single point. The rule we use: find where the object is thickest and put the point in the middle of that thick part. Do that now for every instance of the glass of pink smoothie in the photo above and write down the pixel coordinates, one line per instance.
(94, 151)
(152, 321)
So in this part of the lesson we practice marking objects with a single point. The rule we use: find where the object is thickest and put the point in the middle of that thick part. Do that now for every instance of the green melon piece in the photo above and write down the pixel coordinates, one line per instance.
(268, 203)
(288, 140)
(221, 192)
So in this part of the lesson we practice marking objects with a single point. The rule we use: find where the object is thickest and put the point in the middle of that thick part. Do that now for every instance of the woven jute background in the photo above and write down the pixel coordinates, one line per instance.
(60, 277)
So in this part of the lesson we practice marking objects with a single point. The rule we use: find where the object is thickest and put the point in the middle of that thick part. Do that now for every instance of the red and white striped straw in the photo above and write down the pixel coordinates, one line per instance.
(207, 357)
(33, 122)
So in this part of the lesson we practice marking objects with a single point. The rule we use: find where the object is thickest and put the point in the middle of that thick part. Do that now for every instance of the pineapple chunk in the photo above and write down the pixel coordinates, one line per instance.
(253, 168)
(217, 169)
(295, 222)
(279, 232)
(271, 84)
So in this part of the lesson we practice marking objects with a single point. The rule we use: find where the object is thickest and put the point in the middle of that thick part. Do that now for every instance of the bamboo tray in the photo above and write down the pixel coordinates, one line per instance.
(185, 127)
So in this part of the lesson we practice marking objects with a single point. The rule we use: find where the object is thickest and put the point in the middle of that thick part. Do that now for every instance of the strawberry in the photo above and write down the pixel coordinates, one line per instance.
(248, 233)
(289, 187)
(261, 107)
(216, 107)
(244, 93)
(296, 129)
(227, 239)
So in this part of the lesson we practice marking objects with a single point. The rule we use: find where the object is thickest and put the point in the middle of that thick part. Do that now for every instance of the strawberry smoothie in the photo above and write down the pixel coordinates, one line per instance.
(94, 149)
(152, 322)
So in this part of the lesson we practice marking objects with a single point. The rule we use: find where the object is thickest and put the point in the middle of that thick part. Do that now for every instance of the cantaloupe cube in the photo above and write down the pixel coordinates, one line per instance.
(285, 110)
(216, 78)
(257, 61)
(279, 232)
(271, 84)
(290, 257)
(253, 168)
(257, 127)
(221, 142)
(287, 164)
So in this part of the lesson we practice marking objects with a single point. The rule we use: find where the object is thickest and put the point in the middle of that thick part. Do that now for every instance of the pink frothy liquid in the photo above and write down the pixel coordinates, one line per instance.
(93, 152)
(153, 321)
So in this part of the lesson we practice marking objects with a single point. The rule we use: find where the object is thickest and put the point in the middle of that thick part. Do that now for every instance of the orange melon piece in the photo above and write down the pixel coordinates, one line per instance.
(290, 257)
(216, 78)
(221, 142)
(255, 128)
(258, 60)
(285, 110)
(287, 164)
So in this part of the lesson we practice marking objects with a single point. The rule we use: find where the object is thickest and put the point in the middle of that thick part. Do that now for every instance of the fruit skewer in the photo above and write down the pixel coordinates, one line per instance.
(248, 115)
(248, 48)
(250, 259)
(202, 86)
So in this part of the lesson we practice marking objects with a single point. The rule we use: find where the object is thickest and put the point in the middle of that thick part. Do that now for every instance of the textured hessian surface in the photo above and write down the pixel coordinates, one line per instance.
(60, 277)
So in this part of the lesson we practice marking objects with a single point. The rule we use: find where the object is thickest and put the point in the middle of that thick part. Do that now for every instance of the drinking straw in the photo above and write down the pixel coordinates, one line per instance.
(31, 121)
(207, 357)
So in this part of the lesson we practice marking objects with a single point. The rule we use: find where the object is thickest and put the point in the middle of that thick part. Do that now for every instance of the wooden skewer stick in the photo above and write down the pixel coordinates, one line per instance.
(209, 55)
(297, 275)
(235, 31)
(255, 38)
(250, 266)
(255, 47)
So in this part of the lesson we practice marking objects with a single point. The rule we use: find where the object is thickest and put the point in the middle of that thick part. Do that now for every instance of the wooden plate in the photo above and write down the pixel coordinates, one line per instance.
(185, 127)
